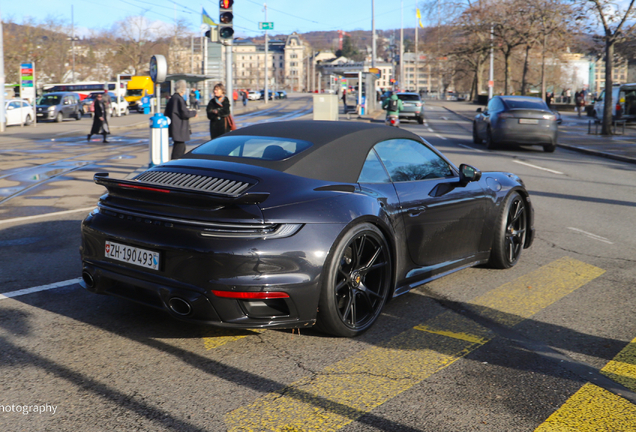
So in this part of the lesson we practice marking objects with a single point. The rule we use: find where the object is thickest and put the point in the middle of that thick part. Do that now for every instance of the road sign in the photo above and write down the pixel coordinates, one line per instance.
(491, 83)
(376, 72)
(266, 25)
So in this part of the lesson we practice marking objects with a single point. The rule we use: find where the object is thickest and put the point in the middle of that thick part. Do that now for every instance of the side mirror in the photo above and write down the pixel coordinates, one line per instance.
(478, 110)
(468, 174)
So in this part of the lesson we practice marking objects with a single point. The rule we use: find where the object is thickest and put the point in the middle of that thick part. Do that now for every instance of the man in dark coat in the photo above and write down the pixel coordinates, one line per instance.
(179, 115)
(100, 119)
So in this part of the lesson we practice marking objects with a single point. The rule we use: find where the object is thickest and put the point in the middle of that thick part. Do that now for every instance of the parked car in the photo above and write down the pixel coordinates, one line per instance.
(623, 103)
(514, 120)
(18, 112)
(281, 94)
(253, 95)
(320, 223)
(269, 92)
(58, 106)
(413, 107)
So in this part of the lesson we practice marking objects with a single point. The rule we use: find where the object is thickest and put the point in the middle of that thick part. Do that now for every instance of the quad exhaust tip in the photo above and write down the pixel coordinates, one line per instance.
(179, 306)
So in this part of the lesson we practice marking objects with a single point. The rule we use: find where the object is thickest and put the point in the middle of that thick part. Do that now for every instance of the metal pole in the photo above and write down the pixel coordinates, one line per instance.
(2, 118)
(313, 72)
(402, 81)
(192, 54)
(73, 41)
(373, 32)
(228, 74)
(491, 79)
(266, 95)
(117, 95)
(417, 57)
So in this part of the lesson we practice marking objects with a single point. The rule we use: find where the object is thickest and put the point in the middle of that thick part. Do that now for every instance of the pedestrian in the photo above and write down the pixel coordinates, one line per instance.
(244, 97)
(218, 110)
(344, 99)
(100, 119)
(193, 100)
(568, 96)
(197, 93)
(549, 97)
(580, 102)
(179, 115)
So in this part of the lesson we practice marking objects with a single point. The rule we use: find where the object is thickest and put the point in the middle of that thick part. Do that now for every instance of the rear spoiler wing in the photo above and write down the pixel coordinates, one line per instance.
(150, 192)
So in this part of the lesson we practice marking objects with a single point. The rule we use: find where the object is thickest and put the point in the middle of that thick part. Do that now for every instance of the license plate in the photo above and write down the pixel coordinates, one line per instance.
(132, 255)
(528, 121)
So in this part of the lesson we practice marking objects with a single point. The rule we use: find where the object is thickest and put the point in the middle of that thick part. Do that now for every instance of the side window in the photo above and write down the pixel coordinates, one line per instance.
(408, 160)
(373, 171)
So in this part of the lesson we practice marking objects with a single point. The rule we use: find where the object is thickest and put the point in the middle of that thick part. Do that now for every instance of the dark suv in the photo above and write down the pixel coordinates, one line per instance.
(58, 106)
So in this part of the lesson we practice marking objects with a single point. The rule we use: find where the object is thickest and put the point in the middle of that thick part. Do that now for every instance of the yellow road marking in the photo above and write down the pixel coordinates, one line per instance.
(592, 409)
(348, 389)
(595, 409)
(216, 337)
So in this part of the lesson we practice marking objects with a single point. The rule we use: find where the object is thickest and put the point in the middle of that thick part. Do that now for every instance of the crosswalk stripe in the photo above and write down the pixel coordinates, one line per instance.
(346, 390)
(592, 408)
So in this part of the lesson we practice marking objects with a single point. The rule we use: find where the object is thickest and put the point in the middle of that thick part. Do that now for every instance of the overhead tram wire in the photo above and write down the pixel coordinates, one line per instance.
(285, 13)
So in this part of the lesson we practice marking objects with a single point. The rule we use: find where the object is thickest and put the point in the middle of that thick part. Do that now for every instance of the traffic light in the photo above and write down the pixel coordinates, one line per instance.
(226, 19)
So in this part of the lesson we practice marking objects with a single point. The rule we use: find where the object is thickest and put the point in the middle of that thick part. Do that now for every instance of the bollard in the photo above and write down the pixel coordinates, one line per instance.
(159, 149)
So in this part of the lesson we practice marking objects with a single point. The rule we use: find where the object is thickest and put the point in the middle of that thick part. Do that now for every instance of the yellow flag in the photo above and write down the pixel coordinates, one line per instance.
(419, 17)
(206, 19)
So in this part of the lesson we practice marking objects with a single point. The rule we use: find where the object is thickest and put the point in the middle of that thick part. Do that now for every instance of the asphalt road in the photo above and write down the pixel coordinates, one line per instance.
(547, 344)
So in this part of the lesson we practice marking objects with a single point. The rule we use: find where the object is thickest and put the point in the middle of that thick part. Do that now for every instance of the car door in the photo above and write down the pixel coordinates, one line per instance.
(484, 119)
(12, 113)
(443, 218)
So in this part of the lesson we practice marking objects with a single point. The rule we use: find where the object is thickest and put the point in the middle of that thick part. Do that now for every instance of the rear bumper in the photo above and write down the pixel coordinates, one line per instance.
(510, 132)
(192, 267)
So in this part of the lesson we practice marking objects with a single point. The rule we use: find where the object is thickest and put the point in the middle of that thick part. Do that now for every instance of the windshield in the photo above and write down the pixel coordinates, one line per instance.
(406, 97)
(135, 92)
(526, 103)
(254, 147)
(49, 100)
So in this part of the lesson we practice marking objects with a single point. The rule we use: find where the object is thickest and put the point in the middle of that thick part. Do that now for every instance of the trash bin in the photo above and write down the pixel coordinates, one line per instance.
(159, 140)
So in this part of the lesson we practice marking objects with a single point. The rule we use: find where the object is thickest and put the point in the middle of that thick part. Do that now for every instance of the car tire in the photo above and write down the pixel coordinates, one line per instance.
(420, 120)
(356, 282)
(490, 142)
(476, 139)
(510, 232)
(78, 115)
(59, 117)
(127, 111)
(28, 121)
(549, 148)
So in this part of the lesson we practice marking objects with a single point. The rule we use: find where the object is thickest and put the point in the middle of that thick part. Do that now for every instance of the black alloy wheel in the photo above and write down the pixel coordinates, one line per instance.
(476, 139)
(490, 143)
(356, 284)
(549, 148)
(510, 234)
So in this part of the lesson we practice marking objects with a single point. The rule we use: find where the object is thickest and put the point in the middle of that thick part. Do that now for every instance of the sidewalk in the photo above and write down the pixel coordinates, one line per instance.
(572, 133)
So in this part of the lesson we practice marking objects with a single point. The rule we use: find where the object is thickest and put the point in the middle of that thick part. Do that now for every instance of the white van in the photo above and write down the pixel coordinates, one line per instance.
(623, 97)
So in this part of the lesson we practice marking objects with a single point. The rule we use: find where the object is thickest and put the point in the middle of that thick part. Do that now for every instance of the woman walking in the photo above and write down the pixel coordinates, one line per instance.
(180, 115)
(218, 110)
(100, 119)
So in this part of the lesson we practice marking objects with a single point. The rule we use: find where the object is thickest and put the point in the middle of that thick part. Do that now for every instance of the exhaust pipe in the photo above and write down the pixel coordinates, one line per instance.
(88, 279)
(179, 306)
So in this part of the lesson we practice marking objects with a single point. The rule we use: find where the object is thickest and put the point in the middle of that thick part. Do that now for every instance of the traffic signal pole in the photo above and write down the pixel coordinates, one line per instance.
(266, 95)
(228, 73)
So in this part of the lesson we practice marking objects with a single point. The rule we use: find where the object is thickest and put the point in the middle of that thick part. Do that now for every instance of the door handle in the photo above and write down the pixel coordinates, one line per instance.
(416, 211)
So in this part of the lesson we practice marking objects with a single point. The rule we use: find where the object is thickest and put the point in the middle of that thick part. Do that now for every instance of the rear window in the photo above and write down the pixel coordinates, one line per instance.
(253, 147)
(406, 97)
(526, 103)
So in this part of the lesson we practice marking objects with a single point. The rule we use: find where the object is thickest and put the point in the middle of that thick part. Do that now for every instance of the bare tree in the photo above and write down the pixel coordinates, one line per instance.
(613, 19)
(134, 40)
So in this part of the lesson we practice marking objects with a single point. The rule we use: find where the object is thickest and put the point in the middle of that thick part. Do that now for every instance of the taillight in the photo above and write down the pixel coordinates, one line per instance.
(250, 295)
(549, 117)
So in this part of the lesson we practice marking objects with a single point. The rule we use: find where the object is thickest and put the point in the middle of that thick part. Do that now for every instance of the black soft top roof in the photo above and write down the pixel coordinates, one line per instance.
(338, 152)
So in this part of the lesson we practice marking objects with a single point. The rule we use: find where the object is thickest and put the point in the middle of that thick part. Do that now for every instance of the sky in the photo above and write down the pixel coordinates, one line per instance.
(287, 15)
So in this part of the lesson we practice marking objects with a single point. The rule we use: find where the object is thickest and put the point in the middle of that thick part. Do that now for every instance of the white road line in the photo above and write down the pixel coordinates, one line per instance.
(39, 288)
(537, 167)
(592, 236)
(439, 136)
(26, 218)
(430, 130)
(471, 148)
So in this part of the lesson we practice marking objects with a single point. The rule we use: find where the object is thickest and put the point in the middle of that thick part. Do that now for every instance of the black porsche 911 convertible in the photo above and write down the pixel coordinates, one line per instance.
(301, 223)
